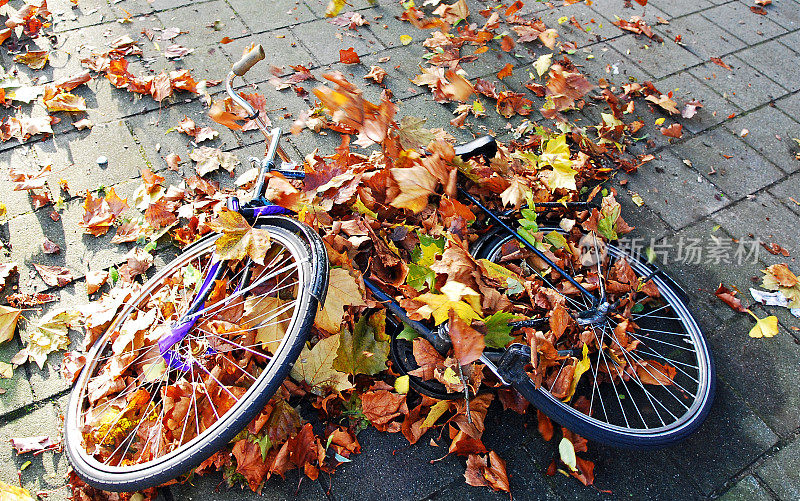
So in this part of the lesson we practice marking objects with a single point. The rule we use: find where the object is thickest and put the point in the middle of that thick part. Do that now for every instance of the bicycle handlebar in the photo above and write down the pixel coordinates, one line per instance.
(249, 60)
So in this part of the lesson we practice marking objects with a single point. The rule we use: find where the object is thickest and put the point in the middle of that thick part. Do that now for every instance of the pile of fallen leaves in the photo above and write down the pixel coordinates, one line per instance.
(387, 212)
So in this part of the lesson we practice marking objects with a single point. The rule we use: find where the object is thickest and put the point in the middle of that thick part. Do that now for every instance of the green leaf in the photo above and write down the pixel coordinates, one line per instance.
(420, 276)
(360, 352)
(556, 239)
(497, 330)
(401, 384)
(113, 273)
(607, 224)
(408, 333)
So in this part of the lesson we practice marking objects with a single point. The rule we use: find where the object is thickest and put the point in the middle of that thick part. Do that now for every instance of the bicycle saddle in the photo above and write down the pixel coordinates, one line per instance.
(484, 145)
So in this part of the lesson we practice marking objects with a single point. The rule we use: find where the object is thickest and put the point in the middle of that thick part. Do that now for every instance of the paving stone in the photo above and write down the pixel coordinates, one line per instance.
(75, 155)
(596, 25)
(681, 7)
(701, 37)
(657, 59)
(786, 190)
(765, 218)
(730, 439)
(765, 375)
(737, 19)
(199, 22)
(282, 48)
(742, 174)
(611, 9)
(324, 40)
(281, 13)
(685, 88)
(18, 392)
(318, 7)
(170, 4)
(742, 85)
(388, 461)
(775, 60)
(790, 105)
(781, 472)
(68, 16)
(24, 159)
(674, 191)
(770, 132)
(746, 489)
(47, 470)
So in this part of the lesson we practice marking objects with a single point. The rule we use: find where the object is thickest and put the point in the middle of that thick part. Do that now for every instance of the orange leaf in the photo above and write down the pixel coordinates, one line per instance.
(507, 43)
(507, 70)
(468, 343)
(348, 56)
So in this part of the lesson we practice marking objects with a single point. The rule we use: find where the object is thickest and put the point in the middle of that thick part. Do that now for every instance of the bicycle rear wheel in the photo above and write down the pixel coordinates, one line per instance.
(137, 418)
(648, 386)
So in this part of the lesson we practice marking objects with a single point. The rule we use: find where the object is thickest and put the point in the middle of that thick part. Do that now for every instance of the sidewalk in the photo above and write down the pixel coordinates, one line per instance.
(733, 179)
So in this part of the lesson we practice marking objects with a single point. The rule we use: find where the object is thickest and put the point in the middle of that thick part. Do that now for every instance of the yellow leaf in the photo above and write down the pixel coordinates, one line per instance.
(455, 293)
(437, 410)
(49, 334)
(765, 327)
(405, 39)
(450, 377)
(238, 238)
(34, 59)
(8, 322)
(401, 384)
(563, 19)
(342, 291)
(556, 154)
(6, 370)
(660, 121)
(567, 452)
(12, 493)
(543, 64)
(580, 368)
(334, 7)
(315, 366)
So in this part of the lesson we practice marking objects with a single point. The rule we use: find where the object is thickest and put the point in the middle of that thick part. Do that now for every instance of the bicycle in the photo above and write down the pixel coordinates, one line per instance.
(647, 386)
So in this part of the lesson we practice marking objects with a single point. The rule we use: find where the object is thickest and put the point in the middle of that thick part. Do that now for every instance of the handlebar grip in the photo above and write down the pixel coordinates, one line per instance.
(247, 61)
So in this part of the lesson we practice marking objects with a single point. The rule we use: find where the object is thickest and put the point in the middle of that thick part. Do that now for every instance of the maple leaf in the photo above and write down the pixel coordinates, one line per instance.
(674, 131)
(415, 184)
(210, 159)
(95, 280)
(487, 471)
(249, 462)
(48, 334)
(506, 71)
(238, 239)
(382, 406)
(269, 317)
(342, 291)
(315, 366)
(8, 322)
(664, 102)
(454, 12)
(58, 100)
(100, 213)
(556, 154)
(411, 134)
(28, 181)
(54, 276)
(456, 296)
(360, 352)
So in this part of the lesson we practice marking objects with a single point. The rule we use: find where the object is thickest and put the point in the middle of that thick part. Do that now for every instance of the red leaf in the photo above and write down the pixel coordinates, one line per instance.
(729, 297)
(674, 131)
(348, 56)
(468, 343)
(54, 276)
(719, 62)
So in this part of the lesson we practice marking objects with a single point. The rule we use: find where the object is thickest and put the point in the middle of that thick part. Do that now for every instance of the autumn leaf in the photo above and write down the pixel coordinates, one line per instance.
(14, 493)
(95, 280)
(452, 13)
(348, 56)
(415, 185)
(210, 159)
(674, 131)
(729, 297)
(8, 322)
(506, 71)
(455, 297)
(556, 155)
(29, 181)
(315, 366)
(487, 471)
(54, 276)
(376, 73)
(360, 352)
(468, 343)
(34, 59)
(49, 334)
(778, 277)
(765, 327)
(342, 291)
(238, 239)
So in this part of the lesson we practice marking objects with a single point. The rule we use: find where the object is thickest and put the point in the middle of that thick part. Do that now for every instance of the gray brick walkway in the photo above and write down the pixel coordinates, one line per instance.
(714, 183)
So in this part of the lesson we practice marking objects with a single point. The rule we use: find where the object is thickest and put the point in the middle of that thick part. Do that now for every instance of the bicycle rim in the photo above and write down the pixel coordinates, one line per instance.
(649, 396)
(135, 420)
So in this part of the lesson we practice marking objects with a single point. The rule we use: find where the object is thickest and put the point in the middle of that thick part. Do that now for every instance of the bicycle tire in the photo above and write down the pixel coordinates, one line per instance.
(595, 429)
(189, 455)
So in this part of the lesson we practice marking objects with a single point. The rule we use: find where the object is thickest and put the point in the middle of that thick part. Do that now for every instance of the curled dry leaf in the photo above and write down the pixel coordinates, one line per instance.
(376, 73)
(50, 247)
(34, 59)
(95, 280)
(674, 131)
(37, 444)
(29, 181)
(8, 322)
(6, 271)
(729, 297)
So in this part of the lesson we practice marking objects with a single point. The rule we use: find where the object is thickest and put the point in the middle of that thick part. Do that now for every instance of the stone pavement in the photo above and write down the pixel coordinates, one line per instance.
(716, 187)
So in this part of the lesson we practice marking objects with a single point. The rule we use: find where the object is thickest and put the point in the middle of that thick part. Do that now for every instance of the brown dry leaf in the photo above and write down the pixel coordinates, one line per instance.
(674, 131)
(50, 247)
(665, 102)
(452, 13)
(6, 270)
(729, 297)
(29, 181)
(468, 344)
(376, 73)
(173, 161)
(415, 185)
(54, 276)
(506, 71)
(483, 471)
(344, 291)
(95, 280)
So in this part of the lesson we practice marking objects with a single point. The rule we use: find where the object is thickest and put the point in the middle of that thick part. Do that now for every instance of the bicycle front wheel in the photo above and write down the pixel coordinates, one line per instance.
(140, 416)
(647, 383)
